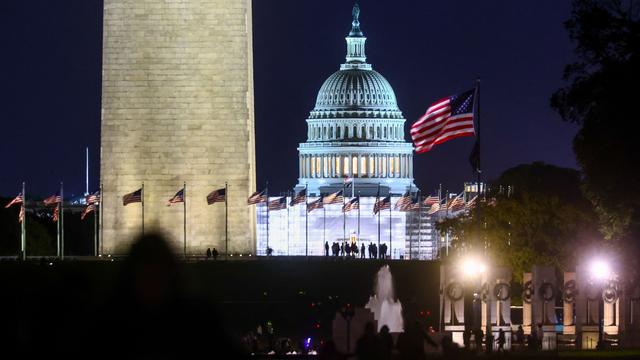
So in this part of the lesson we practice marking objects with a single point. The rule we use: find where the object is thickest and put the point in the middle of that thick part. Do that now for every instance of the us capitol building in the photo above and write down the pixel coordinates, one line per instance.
(355, 130)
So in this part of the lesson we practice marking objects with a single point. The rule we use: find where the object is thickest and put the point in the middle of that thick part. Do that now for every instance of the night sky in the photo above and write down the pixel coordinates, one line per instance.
(51, 69)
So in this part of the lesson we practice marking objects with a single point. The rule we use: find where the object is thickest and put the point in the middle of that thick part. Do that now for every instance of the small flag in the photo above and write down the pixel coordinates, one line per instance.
(471, 203)
(93, 198)
(278, 204)
(56, 214)
(348, 181)
(257, 197)
(456, 204)
(215, 196)
(353, 204)
(299, 198)
(53, 200)
(383, 204)
(18, 200)
(133, 197)
(430, 200)
(177, 198)
(446, 119)
(403, 202)
(434, 209)
(21, 214)
(316, 204)
(87, 210)
(335, 198)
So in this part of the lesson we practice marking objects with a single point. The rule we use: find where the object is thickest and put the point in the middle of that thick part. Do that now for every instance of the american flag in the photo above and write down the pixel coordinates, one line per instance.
(434, 209)
(430, 200)
(353, 204)
(415, 204)
(316, 204)
(18, 200)
(257, 197)
(456, 204)
(56, 214)
(21, 214)
(471, 203)
(299, 198)
(133, 197)
(383, 204)
(403, 202)
(53, 200)
(215, 196)
(335, 198)
(93, 198)
(278, 204)
(177, 198)
(446, 119)
(87, 210)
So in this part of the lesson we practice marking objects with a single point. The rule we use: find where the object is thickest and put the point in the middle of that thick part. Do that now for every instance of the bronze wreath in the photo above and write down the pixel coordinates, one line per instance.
(569, 292)
(547, 291)
(528, 292)
(501, 294)
(450, 291)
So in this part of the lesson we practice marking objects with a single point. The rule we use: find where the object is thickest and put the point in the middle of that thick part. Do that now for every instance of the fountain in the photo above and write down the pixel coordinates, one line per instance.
(385, 308)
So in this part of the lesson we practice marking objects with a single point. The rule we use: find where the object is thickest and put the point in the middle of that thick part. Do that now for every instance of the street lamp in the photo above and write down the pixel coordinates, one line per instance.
(472, 269)
(601, 274)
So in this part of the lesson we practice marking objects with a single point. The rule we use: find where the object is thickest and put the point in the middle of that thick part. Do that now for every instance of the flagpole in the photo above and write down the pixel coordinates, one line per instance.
(378, 200)
(184, 218)
(324, 223)
(344, 214)
(478, 170)
(419, 223)
(267, 204)
(100, 219)
(23, 227)
(142, 203)
(390, 221)
(446, 216)
(226, 220)
(358, 216)
(412, 222)
(306, 219)
(61, 221)
(288, 223)
(95, 231)
(58, 231)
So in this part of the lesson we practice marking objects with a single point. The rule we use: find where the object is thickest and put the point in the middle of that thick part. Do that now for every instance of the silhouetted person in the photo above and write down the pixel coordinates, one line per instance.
(501, 340)
(362, 252)
(411, 342)
(354, 250)
(466, 338)
(520, 337)
(450, 350)
(386, 343)
(478, 334)
(488, 342)
(367, 346)
(208, 253)
(214, 253)
(150, 312)
(342, 249)
(326, 248)
(347, 249)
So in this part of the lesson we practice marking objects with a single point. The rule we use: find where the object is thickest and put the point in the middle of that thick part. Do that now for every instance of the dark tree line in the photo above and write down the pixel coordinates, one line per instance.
(602, 97)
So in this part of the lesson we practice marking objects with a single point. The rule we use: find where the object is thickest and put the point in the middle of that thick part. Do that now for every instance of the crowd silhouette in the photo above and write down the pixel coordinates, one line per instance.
(351, 250)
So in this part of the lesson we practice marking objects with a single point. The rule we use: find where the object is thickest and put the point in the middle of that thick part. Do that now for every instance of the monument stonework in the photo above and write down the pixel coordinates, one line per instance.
(177, 106)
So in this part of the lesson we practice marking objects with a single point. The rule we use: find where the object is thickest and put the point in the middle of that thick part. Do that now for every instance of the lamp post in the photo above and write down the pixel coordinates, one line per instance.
(472, 269)
(601, 274)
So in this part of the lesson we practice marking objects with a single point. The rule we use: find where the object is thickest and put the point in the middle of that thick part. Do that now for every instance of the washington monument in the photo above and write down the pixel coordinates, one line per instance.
(177, 107)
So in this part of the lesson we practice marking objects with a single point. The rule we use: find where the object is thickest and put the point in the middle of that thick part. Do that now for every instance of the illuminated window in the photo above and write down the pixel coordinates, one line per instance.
(391, 163)
(354, 166)
(325, 166)
(383, 161)
(397, 167)
(345, 167)
(371, 166)
(338, 173)
(317, 166)
(313, 166)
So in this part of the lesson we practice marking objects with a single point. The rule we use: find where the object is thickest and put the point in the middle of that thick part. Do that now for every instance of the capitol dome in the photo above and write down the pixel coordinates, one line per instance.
(356, 130)
(356, 89)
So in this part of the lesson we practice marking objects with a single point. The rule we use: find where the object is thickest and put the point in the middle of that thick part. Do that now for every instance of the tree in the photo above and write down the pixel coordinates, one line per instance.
(39, 240)
(545, 220)
(601, 97)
